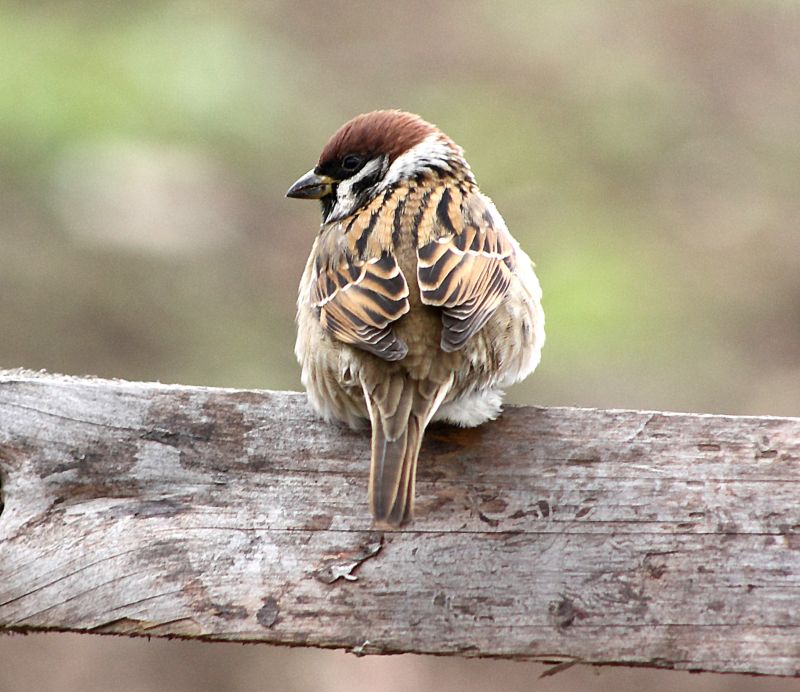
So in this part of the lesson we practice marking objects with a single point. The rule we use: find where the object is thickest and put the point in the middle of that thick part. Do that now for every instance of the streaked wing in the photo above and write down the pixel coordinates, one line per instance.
(358, 299)
(465, 265)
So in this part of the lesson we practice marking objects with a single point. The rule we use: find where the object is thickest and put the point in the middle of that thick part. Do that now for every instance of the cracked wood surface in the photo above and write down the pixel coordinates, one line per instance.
(622, 537)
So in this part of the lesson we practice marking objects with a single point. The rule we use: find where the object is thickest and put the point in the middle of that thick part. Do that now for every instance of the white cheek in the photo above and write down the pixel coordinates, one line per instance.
(344, 196)
(346, 200)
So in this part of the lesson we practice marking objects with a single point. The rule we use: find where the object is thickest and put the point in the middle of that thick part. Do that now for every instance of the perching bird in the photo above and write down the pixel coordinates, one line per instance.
(416, 303)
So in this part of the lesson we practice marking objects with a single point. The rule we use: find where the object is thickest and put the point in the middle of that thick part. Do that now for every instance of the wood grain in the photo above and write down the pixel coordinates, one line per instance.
(618, 537)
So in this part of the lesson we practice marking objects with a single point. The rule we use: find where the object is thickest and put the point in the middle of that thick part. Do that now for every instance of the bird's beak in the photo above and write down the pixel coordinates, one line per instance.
(311, 186)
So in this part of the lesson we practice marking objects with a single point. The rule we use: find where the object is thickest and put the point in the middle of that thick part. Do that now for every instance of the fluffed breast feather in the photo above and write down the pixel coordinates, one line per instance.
(464, 264)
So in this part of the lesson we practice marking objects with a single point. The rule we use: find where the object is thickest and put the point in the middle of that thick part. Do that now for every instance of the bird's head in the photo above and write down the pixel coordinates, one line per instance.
(373, 152)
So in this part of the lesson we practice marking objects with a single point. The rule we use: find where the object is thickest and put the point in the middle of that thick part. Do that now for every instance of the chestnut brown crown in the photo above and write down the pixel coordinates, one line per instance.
(389, 132)
(375, 151)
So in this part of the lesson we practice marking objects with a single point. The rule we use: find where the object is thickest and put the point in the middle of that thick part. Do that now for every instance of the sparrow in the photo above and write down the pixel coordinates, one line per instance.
(416, 303)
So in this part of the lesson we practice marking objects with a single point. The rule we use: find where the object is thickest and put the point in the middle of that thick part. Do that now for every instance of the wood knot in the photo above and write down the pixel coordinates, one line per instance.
(267, 615)
(563, 612)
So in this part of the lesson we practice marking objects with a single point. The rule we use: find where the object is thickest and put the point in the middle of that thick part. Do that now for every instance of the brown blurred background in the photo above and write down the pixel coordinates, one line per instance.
(646, 154)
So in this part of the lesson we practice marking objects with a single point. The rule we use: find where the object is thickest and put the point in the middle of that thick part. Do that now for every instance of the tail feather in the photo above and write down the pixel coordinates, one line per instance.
(399, 412)
(392, 474)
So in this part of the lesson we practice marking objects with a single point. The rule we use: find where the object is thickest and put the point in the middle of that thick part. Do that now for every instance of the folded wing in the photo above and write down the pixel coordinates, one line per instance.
(358, 299)
(465, 265)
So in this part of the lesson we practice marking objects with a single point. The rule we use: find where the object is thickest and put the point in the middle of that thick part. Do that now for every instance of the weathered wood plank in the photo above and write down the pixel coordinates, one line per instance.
(622, 537)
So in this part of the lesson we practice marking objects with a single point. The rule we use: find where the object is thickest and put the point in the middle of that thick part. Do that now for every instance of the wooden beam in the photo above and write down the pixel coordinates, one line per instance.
(605, 537)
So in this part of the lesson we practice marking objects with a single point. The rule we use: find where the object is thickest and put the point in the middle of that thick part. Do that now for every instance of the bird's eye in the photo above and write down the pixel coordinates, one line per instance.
(352, 162)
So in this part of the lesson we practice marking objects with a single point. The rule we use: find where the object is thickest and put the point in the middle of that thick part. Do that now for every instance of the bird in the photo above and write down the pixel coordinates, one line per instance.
(416, 303)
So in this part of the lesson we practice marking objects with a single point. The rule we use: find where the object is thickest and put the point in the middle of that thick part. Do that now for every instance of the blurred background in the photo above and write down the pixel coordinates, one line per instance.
(646, 154)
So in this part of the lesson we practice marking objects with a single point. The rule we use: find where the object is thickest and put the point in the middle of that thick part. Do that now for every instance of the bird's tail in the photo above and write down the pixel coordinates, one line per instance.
(399, 410)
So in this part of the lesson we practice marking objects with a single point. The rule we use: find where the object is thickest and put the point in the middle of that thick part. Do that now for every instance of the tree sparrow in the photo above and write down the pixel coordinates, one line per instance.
(416, 303)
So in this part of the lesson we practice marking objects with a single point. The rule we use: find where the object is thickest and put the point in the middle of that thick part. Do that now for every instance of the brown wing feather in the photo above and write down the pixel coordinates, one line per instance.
(465, 265)
(359, 290)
